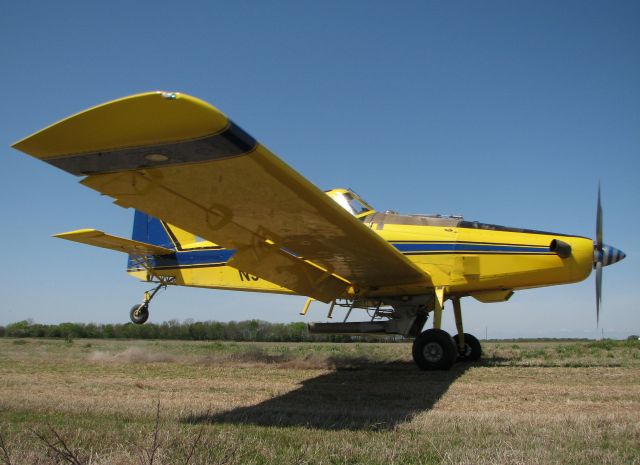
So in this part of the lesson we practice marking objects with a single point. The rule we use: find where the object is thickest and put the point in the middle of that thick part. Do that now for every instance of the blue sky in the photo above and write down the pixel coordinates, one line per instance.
(506, 112)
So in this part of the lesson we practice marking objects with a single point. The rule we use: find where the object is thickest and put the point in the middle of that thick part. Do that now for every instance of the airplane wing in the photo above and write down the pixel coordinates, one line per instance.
(107, 241)
(182, 160)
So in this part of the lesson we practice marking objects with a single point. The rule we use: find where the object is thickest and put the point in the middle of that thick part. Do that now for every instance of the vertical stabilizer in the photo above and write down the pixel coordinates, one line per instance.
(151, 231)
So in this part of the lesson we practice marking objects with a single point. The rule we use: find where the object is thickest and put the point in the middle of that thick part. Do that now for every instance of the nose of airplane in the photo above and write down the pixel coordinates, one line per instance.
(609, 255)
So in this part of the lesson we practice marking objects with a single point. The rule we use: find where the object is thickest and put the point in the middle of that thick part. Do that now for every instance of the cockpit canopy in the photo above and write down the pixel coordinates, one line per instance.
(351, 202)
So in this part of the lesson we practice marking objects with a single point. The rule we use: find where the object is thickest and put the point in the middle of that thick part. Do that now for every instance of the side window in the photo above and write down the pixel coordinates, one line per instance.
(343, 201)
(356, 206)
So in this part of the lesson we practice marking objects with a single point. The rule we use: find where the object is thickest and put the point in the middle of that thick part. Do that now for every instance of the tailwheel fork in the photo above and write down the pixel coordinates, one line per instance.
(139, 313)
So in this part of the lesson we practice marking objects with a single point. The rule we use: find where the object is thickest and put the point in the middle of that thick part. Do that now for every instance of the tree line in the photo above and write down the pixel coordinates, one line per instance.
(249, 330)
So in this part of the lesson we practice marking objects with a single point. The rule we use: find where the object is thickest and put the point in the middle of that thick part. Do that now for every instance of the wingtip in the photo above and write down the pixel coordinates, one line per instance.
(19, 144)
(89, 232)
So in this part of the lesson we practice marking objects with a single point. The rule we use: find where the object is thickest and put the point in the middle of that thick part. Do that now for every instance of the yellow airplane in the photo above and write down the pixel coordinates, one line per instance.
(216, 209)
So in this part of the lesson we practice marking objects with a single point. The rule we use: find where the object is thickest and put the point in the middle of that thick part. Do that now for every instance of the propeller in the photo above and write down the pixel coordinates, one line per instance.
(598, 257)
(603, 255)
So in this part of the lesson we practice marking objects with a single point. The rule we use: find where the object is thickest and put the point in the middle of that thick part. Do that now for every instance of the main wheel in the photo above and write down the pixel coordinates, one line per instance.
(472, 349)
(139, 313)
(434, 349)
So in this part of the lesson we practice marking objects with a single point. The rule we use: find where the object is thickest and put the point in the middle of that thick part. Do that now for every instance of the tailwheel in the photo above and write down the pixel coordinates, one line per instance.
(139, 313)
(472, 349)
(434, 349)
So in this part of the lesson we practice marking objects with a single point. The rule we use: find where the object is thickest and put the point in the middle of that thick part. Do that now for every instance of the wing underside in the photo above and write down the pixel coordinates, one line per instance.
(181, 160)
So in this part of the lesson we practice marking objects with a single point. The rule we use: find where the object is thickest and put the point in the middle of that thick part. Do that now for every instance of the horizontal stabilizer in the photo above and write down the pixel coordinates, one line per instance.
(119, 244)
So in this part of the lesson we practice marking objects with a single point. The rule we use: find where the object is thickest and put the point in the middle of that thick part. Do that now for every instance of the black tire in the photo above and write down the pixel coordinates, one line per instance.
(434, 349)
(472, 348)
(139, 314)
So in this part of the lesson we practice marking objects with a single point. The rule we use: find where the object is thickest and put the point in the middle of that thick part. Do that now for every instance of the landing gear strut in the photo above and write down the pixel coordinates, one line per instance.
(139, 313)
(435, 349)
(469, 349)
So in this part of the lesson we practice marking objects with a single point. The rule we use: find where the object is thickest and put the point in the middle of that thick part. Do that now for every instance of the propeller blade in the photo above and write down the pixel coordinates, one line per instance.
(598, 290)
(603, 255)
(599, 223)
(599, 257)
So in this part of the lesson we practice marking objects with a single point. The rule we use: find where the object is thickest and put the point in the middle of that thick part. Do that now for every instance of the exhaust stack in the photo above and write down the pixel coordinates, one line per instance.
(560, 248)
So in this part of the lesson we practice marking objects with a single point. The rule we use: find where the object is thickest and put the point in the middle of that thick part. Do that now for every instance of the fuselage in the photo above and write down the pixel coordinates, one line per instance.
(472, 257)
(486, 261)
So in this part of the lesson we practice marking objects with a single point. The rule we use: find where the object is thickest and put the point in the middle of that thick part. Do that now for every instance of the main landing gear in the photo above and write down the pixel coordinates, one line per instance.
(435, 349)
(139, 313)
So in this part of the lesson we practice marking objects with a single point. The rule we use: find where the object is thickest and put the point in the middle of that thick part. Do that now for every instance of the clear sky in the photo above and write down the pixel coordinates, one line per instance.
(507, 112)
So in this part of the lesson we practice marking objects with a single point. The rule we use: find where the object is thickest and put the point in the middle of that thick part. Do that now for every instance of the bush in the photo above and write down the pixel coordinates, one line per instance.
(250, 330)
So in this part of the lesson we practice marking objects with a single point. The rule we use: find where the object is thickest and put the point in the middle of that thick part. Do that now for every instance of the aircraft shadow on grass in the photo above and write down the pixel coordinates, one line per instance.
(363, 396)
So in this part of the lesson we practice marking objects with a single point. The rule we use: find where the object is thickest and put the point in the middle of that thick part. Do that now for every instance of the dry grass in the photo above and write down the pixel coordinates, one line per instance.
(316, 403)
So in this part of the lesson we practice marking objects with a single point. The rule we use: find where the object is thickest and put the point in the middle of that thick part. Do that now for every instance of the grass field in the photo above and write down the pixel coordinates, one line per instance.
(97, 402)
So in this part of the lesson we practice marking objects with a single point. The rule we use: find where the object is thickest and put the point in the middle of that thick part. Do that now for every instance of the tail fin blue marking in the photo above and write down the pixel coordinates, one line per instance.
(150, 230)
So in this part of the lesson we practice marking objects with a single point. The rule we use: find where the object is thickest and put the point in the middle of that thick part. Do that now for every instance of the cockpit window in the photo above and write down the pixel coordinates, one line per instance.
(356, 205)
(350, 202)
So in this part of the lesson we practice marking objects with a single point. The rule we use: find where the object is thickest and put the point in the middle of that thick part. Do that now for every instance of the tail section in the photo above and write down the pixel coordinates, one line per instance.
(162, 252)
(152, 231)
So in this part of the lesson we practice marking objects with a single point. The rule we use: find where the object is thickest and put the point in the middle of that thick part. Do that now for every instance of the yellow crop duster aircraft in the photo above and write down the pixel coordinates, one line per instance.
(216, 209)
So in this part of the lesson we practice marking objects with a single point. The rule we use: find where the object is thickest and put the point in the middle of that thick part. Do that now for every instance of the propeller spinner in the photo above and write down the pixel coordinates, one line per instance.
(603, 255)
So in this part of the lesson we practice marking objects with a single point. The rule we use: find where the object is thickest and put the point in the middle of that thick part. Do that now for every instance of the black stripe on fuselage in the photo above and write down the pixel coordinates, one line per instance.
(181, 267)
(402, 241)
(463, 252)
